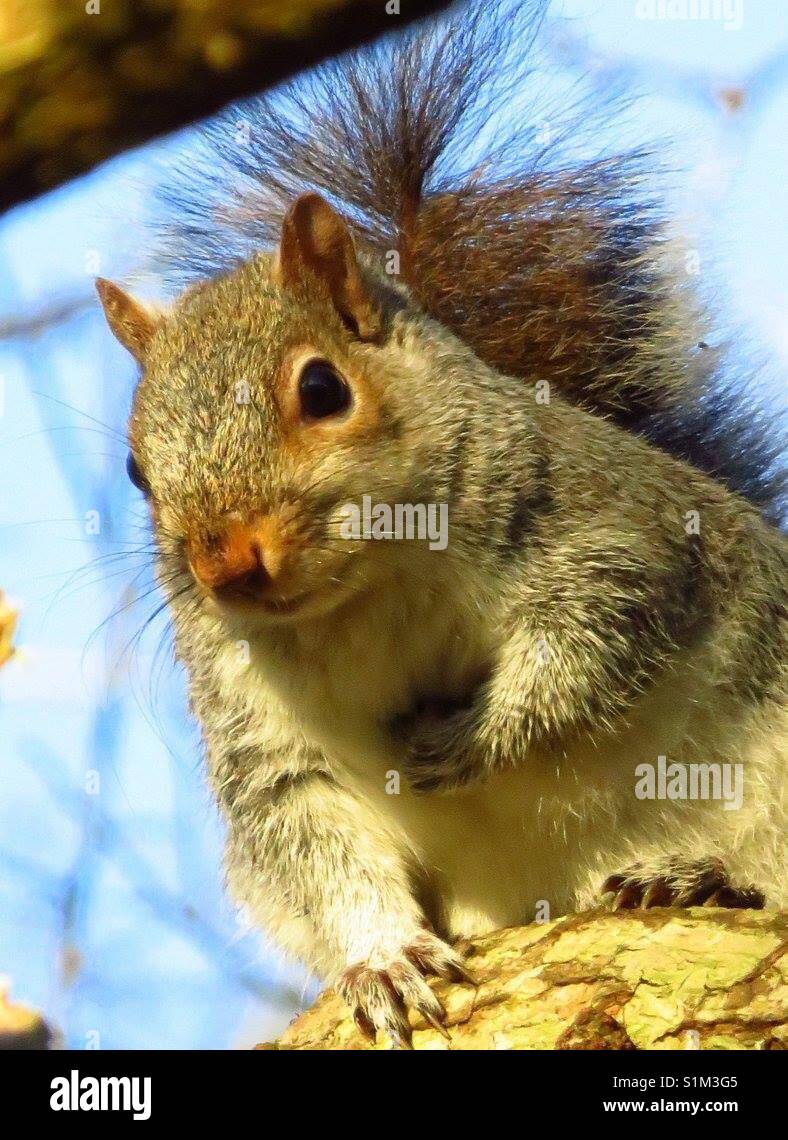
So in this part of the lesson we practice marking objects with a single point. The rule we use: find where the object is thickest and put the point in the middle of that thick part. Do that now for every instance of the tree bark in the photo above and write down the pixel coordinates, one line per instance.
(82, 80)
(655, 979)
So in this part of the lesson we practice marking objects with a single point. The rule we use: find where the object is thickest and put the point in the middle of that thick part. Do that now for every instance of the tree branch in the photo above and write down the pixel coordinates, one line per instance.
(655, 979)
(82, 80)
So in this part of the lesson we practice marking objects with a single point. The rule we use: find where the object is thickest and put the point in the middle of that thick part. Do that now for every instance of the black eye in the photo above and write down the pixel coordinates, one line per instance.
(134, 472)
(323, 392)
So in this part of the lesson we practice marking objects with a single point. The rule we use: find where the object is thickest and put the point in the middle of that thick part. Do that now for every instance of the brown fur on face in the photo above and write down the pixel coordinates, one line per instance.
(245, 488)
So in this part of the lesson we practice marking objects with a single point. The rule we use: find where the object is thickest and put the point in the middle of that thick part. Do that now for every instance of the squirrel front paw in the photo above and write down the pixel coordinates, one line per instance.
(440, 752)
(380, 995)
(681, 883)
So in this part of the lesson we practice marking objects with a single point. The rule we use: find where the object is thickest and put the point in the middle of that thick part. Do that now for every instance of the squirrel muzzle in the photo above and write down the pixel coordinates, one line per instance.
(241, 561)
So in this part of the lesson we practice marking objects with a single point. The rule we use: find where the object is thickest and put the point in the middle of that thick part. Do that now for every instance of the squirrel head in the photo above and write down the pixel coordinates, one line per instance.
(270, 400)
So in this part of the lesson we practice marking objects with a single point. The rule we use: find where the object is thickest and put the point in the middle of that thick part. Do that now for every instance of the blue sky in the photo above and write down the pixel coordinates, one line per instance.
(112, 915)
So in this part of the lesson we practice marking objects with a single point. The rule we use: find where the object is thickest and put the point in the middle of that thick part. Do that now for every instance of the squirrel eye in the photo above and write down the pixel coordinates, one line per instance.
(134, 472)
(322, 391)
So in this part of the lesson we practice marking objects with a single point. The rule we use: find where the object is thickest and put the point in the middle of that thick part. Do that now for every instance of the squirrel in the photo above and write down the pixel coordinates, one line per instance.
(416, 742)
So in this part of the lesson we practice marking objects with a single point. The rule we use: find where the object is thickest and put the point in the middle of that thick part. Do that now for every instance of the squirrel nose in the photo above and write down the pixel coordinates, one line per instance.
(232, 564)
(249, 585)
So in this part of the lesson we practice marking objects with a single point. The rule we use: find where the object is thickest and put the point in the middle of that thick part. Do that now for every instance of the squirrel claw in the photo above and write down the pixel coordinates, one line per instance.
(431, 1019)
(628, 898)
(364, 1025)
(462, 975)
(380, 996)
(729, 897)
(682, 884)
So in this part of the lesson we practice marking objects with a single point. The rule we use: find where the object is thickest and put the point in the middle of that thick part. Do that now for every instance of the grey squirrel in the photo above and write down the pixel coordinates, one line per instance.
(412, 744)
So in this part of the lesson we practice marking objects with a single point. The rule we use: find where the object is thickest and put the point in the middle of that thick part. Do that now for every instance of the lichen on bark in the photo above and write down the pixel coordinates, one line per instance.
(656, 979)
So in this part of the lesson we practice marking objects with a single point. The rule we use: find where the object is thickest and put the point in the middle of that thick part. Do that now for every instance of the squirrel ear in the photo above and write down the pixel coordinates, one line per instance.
(316, 238)
(132, 322)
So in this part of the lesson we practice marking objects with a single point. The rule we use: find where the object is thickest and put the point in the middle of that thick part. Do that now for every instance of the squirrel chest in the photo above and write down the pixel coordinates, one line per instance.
(489, 855)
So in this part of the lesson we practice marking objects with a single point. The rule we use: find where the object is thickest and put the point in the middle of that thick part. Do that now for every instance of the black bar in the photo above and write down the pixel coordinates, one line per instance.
(267, 1088)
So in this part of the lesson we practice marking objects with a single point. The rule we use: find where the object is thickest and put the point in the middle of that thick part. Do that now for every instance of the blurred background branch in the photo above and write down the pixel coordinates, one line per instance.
(82, 80)
(20, 1027)
(33, 322)
(7, 627)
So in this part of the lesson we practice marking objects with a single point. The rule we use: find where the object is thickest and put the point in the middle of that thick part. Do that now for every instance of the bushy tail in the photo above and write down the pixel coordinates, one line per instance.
(548, 266)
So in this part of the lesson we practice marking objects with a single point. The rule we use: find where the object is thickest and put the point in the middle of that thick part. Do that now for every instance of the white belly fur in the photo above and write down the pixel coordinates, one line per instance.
(548, 833)
(543, 833)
